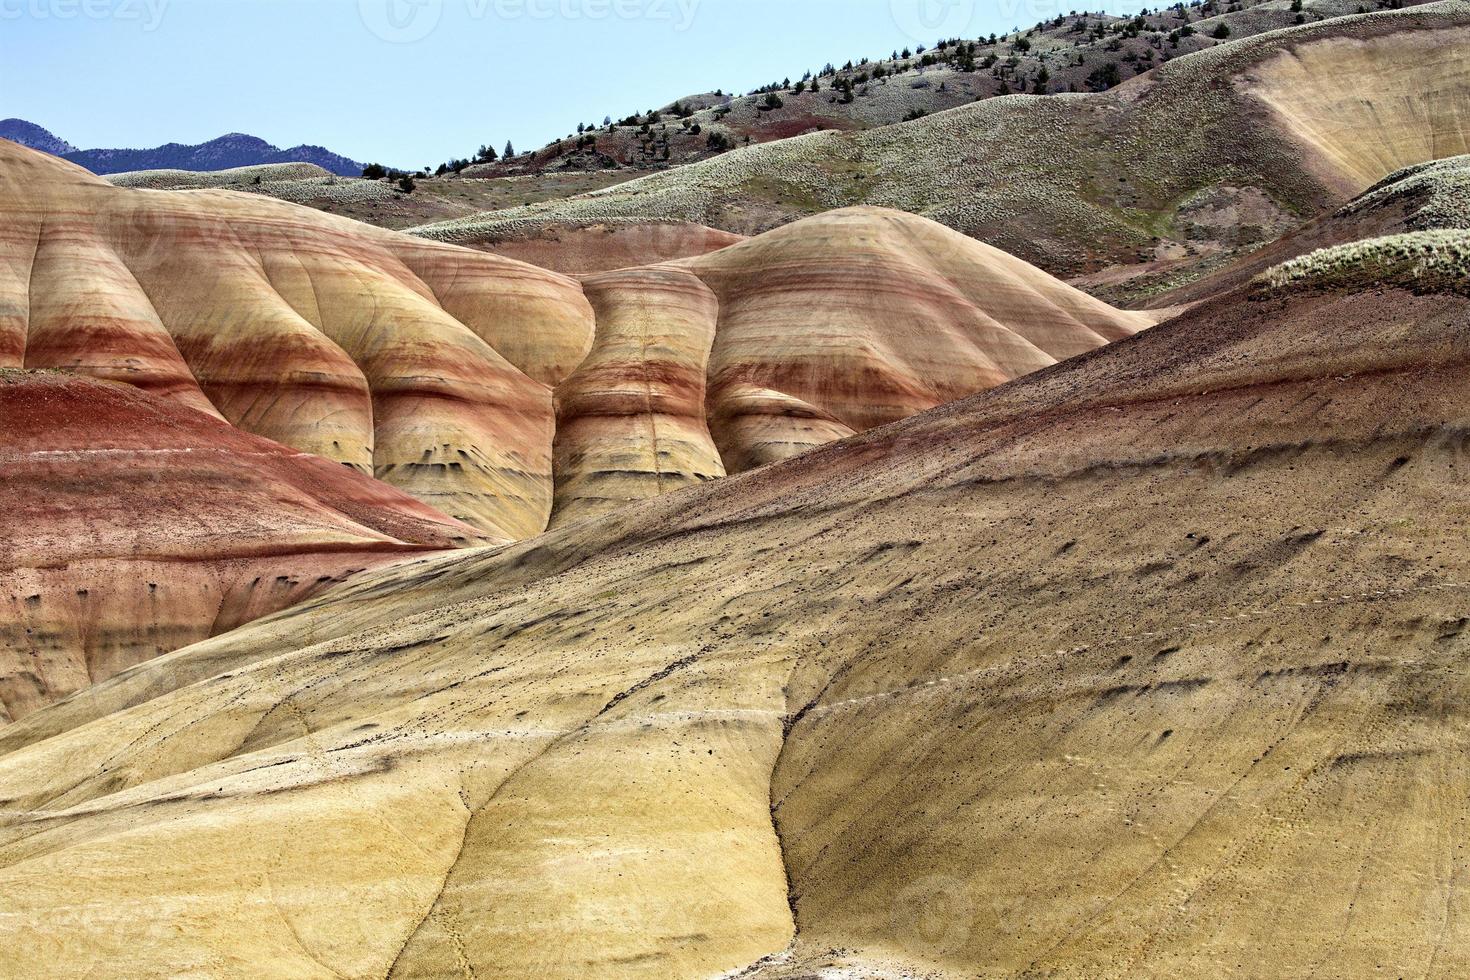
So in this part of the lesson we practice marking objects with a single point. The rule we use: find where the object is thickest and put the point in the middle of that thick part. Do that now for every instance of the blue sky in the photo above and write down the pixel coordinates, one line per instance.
(412, 82)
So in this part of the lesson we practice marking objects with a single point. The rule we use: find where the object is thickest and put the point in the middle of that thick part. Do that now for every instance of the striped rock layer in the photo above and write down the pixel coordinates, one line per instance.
(136, 525)
(505, 395)
(425, 365)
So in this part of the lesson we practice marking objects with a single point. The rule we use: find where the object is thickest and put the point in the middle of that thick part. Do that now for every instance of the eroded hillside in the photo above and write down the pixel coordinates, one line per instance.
(1149, 664)
(443, 371)
(504, 396)
(1432, 196)
(135, 526)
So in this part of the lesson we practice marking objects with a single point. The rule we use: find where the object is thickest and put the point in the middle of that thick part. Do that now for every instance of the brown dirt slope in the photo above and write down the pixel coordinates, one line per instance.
(1149, 664)
(1427, 197)
(136, 526)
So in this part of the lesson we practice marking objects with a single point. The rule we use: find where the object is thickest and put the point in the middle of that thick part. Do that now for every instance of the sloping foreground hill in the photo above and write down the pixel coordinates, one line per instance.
(468, 380)
(1150, 664)
(135, 526)
(1222, 149)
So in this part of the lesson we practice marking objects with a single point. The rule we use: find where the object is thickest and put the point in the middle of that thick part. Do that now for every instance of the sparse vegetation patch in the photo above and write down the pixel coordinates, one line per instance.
(1429, 261)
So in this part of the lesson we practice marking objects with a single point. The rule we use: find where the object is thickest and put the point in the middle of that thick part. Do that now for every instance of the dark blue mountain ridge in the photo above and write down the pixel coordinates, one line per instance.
(29, 134)
(224, 153)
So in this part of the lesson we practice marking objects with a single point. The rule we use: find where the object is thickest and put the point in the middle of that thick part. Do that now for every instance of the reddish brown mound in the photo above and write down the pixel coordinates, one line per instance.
(807, 334)
(138, 526)
(859, 317)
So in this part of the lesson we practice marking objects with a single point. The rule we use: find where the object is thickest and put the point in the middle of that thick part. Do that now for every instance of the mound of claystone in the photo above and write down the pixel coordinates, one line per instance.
(135, 526)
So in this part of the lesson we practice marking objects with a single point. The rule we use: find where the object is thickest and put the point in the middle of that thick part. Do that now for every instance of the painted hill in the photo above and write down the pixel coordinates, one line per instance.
(138, 526)
(326, 335)
(1149, 664)
(1206, 155)
(504, 395)
(827, 327)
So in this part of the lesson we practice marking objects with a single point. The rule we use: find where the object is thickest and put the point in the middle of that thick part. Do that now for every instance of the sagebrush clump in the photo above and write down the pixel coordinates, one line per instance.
(1422, 260)
(1442, 186)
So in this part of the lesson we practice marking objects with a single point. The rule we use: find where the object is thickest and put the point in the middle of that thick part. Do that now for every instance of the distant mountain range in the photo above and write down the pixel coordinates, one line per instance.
(226, 152)
(29, 134)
